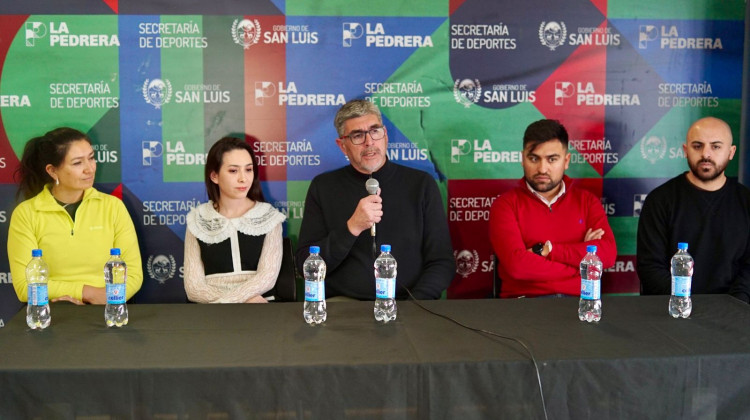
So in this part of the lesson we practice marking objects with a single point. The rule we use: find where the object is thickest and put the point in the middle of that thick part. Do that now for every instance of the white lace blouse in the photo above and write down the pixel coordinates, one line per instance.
(205, 224)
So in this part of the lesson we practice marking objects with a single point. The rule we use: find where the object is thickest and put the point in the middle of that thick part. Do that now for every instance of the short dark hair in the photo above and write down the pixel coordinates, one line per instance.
(49, 149)
(214, 161)
(543, 131)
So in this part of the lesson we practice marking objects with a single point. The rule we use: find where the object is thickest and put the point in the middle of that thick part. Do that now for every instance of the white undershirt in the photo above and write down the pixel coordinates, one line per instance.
(544, 200)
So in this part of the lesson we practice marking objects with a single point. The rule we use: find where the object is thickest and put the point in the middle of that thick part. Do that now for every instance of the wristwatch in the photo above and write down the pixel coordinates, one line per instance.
(538, 248)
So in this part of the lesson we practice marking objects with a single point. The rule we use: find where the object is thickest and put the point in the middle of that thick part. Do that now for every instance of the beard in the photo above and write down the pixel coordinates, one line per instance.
(706, 175)
(543, 187)
(371, 166)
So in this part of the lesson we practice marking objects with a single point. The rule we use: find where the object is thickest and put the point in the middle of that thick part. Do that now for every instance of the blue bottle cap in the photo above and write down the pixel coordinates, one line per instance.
(314, 249)
(385, 248)
(36, 253)
(590, 248)
(114, 251)
(682, 246)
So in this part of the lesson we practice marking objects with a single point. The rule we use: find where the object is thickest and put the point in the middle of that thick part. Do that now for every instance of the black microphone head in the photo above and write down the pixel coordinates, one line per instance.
(372, 186)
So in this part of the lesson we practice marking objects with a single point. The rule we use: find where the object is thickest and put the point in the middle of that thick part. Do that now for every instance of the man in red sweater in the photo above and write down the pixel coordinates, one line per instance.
(540, 229)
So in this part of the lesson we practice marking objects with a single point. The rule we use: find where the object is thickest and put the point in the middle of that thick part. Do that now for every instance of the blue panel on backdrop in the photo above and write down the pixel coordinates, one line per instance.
(690, 51)
(626, 124)
(9, 303)
(140, 121)
(501, 45)
(275, 193)
(355, 46)
(626, 195)
(161, 255)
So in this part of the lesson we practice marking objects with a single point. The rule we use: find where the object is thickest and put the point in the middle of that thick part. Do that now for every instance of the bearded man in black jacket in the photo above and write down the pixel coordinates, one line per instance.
(704, 208)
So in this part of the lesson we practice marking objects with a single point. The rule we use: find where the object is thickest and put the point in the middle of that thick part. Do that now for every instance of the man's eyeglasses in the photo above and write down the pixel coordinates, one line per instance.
(358, 137)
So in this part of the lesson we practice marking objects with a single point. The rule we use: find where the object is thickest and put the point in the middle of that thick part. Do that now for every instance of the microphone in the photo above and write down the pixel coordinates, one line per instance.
(372, 186)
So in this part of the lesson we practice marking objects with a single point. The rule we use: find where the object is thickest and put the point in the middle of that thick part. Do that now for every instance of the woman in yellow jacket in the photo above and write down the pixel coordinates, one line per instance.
(69, 220)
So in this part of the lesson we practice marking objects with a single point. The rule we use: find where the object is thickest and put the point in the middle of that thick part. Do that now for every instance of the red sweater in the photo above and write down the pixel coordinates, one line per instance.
(519, 219)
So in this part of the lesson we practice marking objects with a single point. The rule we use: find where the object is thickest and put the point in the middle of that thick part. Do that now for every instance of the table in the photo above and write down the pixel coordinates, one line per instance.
(263, 361)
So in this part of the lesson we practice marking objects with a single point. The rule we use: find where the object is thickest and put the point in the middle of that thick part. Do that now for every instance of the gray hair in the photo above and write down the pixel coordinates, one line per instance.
(354, 109)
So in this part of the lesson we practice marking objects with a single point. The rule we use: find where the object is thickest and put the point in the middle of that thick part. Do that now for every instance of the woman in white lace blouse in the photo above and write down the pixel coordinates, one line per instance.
(233, 243)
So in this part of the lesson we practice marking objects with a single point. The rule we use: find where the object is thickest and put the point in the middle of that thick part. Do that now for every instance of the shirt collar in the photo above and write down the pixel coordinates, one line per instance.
(549, 203)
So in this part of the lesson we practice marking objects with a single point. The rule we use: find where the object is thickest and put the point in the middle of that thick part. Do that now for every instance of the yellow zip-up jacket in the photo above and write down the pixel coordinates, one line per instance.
(74, 251)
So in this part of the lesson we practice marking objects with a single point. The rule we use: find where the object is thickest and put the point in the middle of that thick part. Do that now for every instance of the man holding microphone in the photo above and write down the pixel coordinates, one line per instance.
(349, 215)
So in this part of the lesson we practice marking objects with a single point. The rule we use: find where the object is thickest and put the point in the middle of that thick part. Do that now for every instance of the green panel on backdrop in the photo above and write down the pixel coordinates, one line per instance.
(421, 8)
(476, 142)
(72, 86)
(223, 68)
(580, 170)
(443, 188)
(183, 129)
(691, 9)
(465, 143)
(659, 153)
(625, 230)
(296, 191)
(105, 139)
(429, 69)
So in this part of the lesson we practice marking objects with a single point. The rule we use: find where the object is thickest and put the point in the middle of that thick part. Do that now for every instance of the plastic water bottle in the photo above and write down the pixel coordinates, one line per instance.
(590, 305)
(385, 286)
(115, 278)
(37, 310)
(680, 304)
(314, 271)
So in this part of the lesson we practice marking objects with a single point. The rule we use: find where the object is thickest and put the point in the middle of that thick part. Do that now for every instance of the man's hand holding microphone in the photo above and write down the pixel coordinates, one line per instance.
(369, 210)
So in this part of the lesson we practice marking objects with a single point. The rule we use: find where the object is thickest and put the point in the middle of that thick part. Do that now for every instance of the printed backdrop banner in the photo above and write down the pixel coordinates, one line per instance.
(155, 84)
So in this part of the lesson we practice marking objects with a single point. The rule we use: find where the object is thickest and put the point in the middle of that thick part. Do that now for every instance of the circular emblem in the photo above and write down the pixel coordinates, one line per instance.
(467, 91)
(161, 267)
(157, 92)
(246, 32)
(552, 34)
(653, 148)
(466, 262)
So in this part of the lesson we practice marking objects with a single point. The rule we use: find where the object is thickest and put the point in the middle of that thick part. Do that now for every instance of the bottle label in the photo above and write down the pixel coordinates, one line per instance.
(681, 285)
(116, 293)
(38, 294)
(385, 288)
(591, 289)
(315, 291)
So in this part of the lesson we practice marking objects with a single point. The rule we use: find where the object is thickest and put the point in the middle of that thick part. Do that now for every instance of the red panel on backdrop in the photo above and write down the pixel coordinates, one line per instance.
(601, 5)
(594, 185)
(621, 278)
(9, 27)
(455, 4)
(563, 96)
(117, 192)
(469, 203)
(113, 4)
(265, 74)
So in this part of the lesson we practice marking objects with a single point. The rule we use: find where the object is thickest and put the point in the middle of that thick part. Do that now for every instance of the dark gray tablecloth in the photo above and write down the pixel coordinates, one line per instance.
(263, 361)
